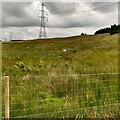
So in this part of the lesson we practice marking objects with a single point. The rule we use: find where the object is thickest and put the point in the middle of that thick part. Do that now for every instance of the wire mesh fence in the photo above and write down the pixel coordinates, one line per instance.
(65, 96)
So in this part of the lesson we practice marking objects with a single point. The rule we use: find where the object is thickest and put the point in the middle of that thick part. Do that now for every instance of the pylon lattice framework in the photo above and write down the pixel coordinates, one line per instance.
(42, 32)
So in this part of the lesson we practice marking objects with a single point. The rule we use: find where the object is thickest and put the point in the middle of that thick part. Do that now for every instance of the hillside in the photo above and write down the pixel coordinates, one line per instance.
(60, 77)
(85, 54)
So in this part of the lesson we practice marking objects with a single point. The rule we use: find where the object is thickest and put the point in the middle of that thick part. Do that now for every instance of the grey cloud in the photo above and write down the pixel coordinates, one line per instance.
(15, 15)
(80, 22)
(15, 8)
(15, 22)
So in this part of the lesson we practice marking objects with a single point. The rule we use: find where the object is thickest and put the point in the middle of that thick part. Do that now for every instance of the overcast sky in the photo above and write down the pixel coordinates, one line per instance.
(64, 18)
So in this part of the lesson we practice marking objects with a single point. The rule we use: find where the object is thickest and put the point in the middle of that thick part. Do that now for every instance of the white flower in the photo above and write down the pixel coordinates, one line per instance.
(64, 50)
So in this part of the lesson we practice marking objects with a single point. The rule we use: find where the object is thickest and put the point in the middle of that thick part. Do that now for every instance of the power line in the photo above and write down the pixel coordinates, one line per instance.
(86, 15)
(67, 16)
(85, 11)
(29, 22)
(61, 6)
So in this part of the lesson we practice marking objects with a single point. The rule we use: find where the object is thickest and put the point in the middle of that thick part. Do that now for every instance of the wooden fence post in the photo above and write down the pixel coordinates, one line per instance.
(6, 81)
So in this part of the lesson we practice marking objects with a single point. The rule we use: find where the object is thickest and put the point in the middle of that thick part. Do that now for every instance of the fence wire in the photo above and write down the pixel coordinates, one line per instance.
(66, 96)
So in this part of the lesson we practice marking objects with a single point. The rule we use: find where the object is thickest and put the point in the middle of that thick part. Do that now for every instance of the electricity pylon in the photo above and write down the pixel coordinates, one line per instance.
(42, 18)
(11, 36)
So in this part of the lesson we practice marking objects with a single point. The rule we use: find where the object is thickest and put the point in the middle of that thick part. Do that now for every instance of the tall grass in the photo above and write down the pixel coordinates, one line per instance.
(45, 81)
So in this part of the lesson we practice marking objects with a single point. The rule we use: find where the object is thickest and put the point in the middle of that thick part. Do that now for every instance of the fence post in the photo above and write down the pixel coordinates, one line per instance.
(6, 80)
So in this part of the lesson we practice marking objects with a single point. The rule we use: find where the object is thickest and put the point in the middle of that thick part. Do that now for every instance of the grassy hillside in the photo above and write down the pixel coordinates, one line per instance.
(45, 76)
(85, 54)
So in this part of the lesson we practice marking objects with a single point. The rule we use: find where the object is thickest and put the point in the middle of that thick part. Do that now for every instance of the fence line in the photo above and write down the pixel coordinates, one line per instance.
(76, 75)
(62, 111)
(61, 96)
